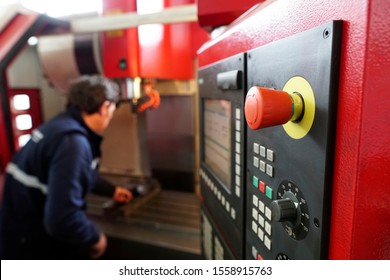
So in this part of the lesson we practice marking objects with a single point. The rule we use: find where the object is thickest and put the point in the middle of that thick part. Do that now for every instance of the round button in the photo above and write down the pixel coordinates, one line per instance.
(267, 107)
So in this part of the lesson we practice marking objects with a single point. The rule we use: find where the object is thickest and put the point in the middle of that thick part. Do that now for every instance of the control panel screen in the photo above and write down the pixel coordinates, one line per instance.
(217, 138)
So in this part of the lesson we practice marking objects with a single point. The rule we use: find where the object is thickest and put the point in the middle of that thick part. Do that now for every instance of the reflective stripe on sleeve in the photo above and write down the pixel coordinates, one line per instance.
(28, 180)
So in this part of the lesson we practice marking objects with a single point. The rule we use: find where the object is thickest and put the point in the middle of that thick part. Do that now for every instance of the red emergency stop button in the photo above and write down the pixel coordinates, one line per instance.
(266, 107)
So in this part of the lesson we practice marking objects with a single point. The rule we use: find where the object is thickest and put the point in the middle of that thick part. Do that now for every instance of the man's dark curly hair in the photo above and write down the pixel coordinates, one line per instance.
(88, 93)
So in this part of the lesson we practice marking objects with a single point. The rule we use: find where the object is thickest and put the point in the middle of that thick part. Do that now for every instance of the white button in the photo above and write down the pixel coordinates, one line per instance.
(255, 201)
(255, 214)
(238, 125)
(254, 252)
(270, 170)
(219, 195)
(227, 206)
(261, 220)
(261, 206)
(238, 148)
(233, 213)
(238, 136)
(238, 113)
(238, 179)
(223, 200)
(262, 151)
(255, 148)
(238, 170)
(262, 166)
(254, 226)
(238, 159)
(268, 213)
(267, 227)
(238, 192)
(256, 162)
(267, 243)
(270, 155)
(260, 234)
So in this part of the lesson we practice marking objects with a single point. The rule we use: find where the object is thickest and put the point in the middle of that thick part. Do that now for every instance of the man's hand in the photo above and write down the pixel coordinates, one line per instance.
(122, 195)
(98, 249)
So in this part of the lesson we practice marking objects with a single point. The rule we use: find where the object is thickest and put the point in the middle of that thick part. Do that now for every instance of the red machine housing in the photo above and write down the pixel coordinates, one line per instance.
(13, 39)
(360, 227)
(161, 51)
(221, 12)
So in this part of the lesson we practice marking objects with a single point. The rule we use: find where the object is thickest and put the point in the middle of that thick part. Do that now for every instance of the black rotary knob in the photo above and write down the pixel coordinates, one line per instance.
(284, 209)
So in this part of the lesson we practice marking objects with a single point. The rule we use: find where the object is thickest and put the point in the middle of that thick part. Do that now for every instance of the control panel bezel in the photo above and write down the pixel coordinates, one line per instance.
(274, 156)
(226, 80)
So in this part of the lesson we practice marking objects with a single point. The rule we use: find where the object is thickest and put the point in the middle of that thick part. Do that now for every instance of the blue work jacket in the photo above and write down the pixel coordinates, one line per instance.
(43, 213)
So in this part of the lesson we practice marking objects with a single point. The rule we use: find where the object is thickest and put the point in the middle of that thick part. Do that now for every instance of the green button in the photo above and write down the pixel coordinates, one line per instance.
(268, 192)
(255, 182)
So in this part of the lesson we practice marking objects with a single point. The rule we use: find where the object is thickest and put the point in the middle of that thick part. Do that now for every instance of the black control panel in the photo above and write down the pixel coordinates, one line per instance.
(213, 244)
(222, 90)
(289, 162)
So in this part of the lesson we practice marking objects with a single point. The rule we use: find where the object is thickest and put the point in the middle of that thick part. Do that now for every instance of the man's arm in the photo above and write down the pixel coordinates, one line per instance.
(69, 179)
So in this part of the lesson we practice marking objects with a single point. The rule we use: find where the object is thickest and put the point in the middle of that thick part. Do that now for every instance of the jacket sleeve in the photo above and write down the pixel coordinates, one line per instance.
(103, 187)
(70, 177)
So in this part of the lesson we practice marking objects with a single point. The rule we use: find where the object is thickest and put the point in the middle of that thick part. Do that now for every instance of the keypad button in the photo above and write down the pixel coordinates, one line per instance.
(238, 125)
(254, 252)
(261, 206)
(262, 186)
(255, 201)
(256, 148)
(262, 166)
(238, 192)
(270, 155)
(238, 136)
(238, 159)
(262, 151)
(268, 192)
(260, 234)
(255, 214)
(270, 170)
(238, 170)
(254, 227)
(238, 113)
(267, 227)
(238, 180)
(256, 162)
(268, 213)
(260, 220)
(255, 182)
(227, 206)
(233, 213)
(267, 242)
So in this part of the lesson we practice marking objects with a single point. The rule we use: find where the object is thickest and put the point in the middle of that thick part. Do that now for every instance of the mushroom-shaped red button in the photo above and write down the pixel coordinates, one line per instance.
(267, 107)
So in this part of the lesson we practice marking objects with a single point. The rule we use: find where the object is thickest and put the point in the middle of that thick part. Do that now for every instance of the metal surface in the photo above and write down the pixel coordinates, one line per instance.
(124, 148)
(168, 221)
(362, 152)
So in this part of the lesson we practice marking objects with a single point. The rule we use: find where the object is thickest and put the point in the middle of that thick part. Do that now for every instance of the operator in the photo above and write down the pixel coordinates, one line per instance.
(43, 213)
